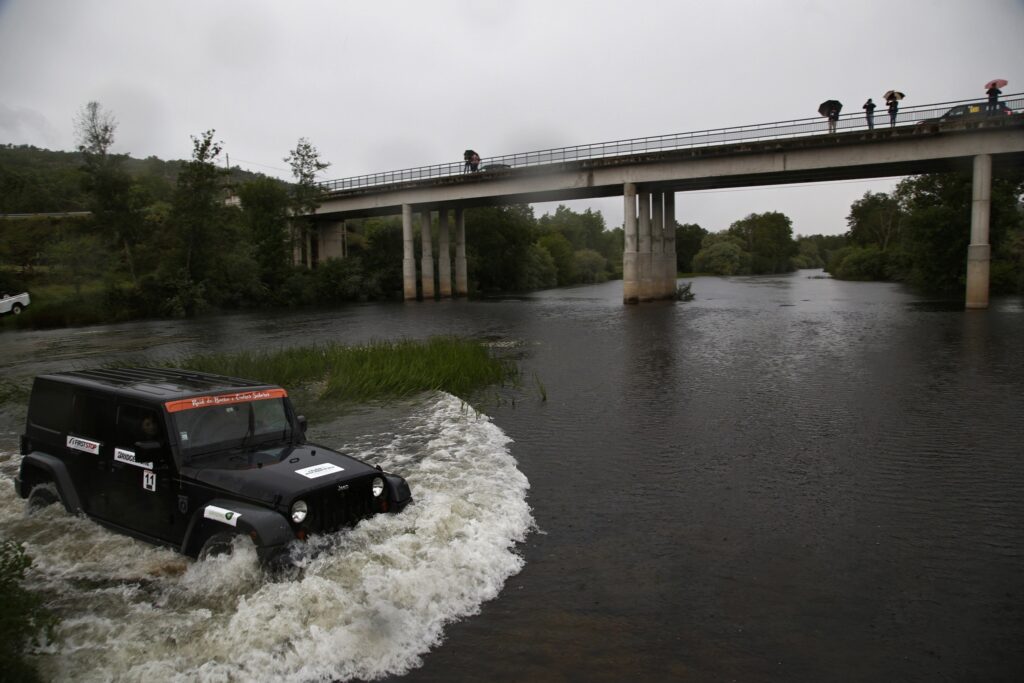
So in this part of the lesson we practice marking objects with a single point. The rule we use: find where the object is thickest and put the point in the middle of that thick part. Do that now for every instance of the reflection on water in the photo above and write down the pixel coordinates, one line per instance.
(786, 478)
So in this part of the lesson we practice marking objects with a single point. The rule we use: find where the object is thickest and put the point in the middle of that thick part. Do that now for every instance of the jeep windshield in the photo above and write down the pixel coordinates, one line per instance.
(208, 424)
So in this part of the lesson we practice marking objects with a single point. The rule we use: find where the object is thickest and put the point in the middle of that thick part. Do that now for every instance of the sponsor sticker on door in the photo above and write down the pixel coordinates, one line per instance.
(84, 445)
(128, 458)
(319, 470)
(221, 515)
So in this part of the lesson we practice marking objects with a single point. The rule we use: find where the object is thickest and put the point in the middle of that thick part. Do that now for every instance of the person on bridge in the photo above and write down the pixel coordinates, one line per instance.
(474, 162)
(467, 156)
(869, 113)
(833, 118)
(894, 105)
(993, 98)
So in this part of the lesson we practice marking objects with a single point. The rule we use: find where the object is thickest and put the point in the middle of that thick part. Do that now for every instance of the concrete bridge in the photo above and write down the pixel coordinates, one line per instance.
(648, 172)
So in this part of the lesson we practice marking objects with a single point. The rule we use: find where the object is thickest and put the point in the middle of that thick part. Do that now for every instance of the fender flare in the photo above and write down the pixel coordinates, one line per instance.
(267, 528)
(54, 469)
(399, 494)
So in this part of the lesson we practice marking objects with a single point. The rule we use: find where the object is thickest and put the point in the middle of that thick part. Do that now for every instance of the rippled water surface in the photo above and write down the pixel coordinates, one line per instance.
(788, 478)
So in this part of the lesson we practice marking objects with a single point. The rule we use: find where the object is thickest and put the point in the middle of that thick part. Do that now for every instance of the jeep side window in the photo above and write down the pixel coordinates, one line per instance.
(50, 406)
(135, 424)
(93, 417)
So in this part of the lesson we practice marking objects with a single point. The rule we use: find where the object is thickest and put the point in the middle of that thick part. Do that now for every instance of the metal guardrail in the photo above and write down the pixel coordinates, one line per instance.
(717, 136)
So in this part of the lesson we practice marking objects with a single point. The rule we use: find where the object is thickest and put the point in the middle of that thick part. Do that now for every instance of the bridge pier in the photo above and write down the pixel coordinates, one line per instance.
(426, 256)
(979, 252)
(444, 257)
(630, 280)
(461, 275)
(649, 249)
(669, 228)
(409, 257)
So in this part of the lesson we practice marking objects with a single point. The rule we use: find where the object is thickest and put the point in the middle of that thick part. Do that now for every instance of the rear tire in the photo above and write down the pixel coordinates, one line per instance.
(16, 309)
(42, 495)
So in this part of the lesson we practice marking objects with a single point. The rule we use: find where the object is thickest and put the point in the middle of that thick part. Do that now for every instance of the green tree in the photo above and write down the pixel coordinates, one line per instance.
(305, 163)
(198, 216)
(116, 203)
(590, 267)
(498, 242)
(688, 242)
(721, 257)
(561, 251)
(768, 238)
(875, 219)
(264, 204)
(76, 260)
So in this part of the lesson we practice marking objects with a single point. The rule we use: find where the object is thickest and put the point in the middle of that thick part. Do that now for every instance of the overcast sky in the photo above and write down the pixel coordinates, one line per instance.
(381, 85)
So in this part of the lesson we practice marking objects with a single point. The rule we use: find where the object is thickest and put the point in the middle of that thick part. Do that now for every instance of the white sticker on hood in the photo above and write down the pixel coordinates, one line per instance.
(128, 457)
(221, 515)
(319, 470)
(84, 445)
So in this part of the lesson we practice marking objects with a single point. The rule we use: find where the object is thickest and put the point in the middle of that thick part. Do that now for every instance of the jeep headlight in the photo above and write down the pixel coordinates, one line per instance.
(299, 511)
(378, 487)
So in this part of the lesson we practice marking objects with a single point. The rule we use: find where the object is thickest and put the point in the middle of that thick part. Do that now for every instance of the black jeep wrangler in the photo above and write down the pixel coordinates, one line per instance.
(191, 460)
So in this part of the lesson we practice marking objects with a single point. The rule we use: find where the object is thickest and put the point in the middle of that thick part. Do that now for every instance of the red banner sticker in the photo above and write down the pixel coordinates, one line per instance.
(223, 399)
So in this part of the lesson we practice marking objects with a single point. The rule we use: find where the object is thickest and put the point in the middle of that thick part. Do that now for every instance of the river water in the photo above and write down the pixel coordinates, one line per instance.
(788, 479)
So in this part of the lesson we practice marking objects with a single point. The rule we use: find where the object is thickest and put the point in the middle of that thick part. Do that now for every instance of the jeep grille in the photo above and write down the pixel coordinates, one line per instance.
(339, 506)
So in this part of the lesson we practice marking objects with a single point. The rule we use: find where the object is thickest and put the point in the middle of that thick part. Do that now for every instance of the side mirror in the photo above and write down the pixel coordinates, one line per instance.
(301, 419)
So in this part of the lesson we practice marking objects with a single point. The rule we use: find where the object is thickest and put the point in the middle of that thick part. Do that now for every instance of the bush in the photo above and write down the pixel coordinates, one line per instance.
(860, 263)
(24, 621)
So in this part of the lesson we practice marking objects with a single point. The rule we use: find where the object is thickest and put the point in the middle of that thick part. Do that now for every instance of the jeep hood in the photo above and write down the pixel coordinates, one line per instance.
(278, 474)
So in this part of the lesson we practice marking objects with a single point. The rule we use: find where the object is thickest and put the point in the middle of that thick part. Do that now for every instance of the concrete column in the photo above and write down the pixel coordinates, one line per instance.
(630, 278)
(643, 258)
(657, 247)
(670, 243)
(444, 257)
(409, 254)
(426, 257)
(979, 252)
(331, 241)
(461, 274)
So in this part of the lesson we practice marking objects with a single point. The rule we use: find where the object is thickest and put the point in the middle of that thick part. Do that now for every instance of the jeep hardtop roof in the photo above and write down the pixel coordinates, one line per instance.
(155, 384)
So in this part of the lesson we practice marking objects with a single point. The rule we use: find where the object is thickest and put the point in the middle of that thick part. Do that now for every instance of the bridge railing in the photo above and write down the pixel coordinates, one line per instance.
(716, 136)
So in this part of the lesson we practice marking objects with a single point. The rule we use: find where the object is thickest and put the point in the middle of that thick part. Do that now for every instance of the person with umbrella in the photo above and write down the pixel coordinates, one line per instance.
(992, 89)
(869, 113)
(892, 98)
(831, 109)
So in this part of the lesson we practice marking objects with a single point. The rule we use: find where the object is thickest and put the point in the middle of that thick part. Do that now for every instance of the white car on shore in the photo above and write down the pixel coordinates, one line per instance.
(14, 304)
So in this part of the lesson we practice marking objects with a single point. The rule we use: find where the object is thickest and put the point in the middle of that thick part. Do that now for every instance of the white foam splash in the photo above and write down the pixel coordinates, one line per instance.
(368, 603)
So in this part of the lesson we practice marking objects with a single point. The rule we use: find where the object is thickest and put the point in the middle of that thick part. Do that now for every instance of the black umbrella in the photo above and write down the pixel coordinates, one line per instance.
(828, 105)
(893, 95)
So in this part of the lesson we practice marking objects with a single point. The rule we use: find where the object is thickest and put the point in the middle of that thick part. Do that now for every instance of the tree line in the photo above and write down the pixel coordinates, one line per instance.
(163, 239)
(919, 234)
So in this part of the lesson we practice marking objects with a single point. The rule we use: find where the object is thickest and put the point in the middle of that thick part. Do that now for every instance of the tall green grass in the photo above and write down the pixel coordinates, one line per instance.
(375, 371)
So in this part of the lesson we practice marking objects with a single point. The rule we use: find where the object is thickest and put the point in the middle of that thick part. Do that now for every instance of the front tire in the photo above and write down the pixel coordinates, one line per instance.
(218, 545)
(16, 309)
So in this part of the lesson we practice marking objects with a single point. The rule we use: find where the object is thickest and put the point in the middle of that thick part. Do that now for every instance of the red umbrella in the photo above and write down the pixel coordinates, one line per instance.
(996, 83)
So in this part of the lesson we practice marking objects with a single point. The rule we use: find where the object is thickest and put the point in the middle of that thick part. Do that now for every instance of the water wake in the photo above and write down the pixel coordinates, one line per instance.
(364, 603)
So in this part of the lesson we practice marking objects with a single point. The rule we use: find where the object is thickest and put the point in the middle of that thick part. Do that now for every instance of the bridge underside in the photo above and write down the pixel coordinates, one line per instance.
(653, 178)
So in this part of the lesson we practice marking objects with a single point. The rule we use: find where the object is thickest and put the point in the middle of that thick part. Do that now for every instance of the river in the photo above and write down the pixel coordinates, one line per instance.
(789, 478)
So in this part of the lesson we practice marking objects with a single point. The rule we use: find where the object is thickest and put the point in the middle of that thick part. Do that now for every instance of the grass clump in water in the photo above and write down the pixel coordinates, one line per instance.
(375, 371)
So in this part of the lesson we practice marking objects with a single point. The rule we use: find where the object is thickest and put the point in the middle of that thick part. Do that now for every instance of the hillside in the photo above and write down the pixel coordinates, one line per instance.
(34, 180)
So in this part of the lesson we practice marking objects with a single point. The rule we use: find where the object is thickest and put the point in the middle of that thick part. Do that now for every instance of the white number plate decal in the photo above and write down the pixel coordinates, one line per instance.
(149, 480)
(319, 470)
(221, 515)
(128, 457)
